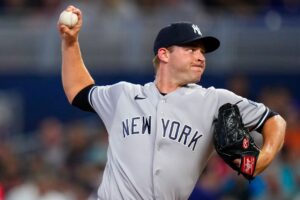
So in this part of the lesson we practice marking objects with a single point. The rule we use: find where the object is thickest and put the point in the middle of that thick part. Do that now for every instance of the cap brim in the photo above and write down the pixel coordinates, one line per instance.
(209, 43)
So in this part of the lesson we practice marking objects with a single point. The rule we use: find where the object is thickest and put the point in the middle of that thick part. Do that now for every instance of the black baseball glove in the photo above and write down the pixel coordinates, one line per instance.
(233, 141)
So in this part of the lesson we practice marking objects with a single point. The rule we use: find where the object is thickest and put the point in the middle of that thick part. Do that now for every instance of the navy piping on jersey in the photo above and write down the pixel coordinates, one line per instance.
(262, 119)
(267, 115)
(90, 96)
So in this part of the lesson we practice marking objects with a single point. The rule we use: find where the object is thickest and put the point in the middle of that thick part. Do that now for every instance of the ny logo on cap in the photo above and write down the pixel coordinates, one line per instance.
(196, 29)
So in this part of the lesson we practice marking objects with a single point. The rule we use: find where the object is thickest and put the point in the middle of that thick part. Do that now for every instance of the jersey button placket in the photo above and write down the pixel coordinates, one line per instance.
(156, 167)
(163, 101)
(158, 146)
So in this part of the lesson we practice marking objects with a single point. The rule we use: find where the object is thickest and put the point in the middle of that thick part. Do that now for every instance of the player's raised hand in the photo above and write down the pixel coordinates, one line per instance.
(70, 34)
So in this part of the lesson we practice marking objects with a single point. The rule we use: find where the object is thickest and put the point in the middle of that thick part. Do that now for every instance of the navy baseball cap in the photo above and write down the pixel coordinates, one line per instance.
(182, 33)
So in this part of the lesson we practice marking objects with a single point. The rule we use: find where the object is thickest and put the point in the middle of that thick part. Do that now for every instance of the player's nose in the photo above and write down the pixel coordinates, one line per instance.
(200, 56)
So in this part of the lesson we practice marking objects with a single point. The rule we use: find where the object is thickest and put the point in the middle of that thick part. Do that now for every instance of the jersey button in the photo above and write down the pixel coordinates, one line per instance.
(158, 147)
(157, 172)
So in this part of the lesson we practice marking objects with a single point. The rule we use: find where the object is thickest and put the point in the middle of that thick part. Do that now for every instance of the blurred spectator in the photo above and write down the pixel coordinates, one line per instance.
(14, 7)
(11, 114)
(251, 8)
(234, 7)
(281, 100)
(282, 179)
(42, 188)
(277, 98)
(148, 5)
(11, 172)
(288, 173)
(78, 144)
(285, 7)
(52, 147)
(44, 7)
(213, 183)
(292, 140)
(239, 84)
(79, 165)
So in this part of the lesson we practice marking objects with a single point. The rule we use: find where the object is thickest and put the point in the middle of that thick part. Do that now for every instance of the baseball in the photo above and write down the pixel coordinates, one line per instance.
(68, 18)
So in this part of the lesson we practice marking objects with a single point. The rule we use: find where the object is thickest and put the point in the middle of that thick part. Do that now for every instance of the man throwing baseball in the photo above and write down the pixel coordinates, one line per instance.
(161, 133)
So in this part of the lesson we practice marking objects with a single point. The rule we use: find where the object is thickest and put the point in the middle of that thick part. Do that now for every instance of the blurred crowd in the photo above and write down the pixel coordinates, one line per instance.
(65, 161)
(58, 161)
(242, 7)
(29, 31)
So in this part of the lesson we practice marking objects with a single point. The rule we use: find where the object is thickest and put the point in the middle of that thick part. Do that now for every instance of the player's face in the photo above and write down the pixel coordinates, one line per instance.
(187, 63)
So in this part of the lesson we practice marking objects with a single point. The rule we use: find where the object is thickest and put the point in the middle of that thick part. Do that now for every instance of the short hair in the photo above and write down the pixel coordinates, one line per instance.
(155, 62)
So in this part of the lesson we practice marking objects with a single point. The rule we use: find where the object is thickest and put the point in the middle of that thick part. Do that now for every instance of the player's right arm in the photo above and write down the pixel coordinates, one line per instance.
(75, 75)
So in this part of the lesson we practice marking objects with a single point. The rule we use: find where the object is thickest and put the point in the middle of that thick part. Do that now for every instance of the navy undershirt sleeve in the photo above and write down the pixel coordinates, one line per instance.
(81, 99)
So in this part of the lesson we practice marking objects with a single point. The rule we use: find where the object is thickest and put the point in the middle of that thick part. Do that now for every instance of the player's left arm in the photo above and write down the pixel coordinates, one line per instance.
(273, 132)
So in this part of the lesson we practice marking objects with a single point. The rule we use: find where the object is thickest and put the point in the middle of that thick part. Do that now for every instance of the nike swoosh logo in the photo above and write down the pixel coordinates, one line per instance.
(137, 97)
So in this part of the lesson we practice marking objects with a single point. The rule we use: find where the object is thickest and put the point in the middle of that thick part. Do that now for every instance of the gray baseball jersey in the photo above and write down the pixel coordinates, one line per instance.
(159, 144)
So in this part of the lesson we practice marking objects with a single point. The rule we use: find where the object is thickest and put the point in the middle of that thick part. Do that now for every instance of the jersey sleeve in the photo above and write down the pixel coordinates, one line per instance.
(104, 99)
(254, 114)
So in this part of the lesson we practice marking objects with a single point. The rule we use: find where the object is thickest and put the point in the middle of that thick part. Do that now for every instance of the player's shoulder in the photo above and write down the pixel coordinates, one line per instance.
(211, 91)
(119, 87)
(128, 87)
(124, 85)
(201, 89)
(219, 91)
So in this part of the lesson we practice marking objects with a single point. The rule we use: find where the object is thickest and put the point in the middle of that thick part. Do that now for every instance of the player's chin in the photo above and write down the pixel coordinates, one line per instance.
(197, 76)
(196, 79)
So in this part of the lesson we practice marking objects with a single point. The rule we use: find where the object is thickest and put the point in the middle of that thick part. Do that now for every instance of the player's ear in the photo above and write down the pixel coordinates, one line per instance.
(163, 54)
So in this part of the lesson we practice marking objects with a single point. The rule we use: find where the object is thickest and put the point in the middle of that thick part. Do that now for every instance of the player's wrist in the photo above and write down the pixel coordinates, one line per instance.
(69, 43)
(263, 161)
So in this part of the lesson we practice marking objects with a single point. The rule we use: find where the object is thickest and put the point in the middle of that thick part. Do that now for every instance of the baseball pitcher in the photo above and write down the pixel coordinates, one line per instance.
(161, 134)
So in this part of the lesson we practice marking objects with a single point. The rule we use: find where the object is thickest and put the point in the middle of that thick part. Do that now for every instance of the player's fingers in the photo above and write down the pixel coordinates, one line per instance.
(73, 9)
(78, 25)
(70, 8)
(78, 13)
(237, 162)
(64, 29)
(59, 27)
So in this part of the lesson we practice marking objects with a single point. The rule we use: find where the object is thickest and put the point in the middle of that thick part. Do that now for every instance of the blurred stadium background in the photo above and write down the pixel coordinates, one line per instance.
(52, 151)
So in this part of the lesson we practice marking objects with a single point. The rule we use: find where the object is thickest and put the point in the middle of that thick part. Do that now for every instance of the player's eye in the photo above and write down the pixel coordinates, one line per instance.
(190, 49)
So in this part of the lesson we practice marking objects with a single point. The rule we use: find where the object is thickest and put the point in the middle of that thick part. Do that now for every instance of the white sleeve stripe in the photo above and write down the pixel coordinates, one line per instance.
(90, 96)
(261, 121)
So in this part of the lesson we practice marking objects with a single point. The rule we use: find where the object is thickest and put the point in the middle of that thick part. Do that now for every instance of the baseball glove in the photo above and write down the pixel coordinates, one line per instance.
(233, 141)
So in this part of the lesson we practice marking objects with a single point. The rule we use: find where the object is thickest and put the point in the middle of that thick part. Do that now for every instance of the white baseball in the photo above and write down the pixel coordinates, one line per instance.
(68, 18)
